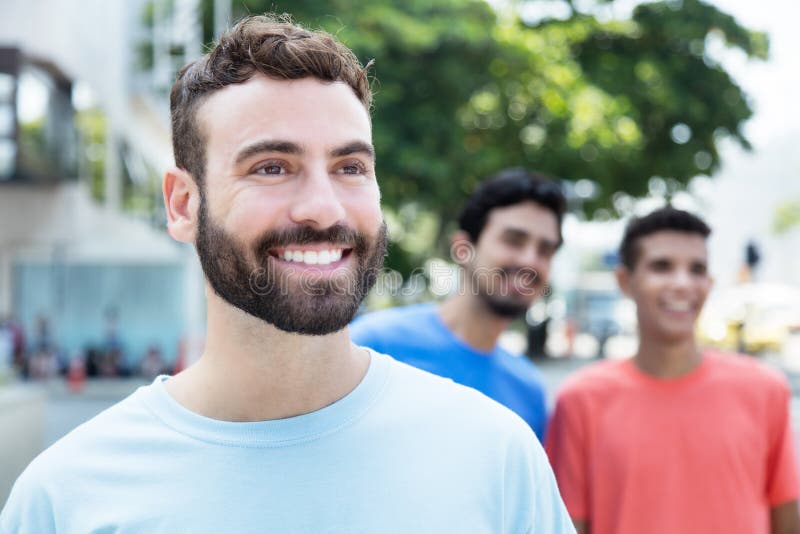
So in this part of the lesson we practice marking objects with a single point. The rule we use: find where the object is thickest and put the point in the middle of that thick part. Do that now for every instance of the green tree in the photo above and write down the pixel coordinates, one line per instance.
(787, 217)
(463, 91)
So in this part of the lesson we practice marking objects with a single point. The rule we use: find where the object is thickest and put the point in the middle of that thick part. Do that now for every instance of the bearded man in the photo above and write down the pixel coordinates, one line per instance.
(283, 425)
(509, 231)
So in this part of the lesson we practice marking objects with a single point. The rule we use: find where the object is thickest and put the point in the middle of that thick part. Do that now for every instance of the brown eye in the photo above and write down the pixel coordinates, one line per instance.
(660, 266)
(270, 168)
(547, 250)
(514, 241)
(353, 167)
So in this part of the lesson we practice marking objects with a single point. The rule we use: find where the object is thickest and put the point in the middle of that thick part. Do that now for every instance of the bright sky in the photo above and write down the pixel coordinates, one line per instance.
(774, 84)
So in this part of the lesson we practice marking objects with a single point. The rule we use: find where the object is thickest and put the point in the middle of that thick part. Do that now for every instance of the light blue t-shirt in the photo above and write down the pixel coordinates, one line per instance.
(417, 336)
(405, 451)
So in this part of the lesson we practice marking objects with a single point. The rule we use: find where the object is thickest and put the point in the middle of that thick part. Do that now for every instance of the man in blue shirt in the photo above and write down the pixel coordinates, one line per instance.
(510, 230)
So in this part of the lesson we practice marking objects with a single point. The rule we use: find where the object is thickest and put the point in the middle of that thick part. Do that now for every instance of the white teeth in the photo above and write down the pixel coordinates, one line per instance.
(313, 257)
(679, 306)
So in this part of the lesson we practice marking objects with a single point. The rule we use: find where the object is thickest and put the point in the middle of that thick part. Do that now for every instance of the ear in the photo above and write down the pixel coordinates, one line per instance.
(182, 200)
(623, 279)
(462, 249)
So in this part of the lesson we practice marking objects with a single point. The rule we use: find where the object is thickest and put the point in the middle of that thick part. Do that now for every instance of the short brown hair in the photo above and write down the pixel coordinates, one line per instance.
(270, 45)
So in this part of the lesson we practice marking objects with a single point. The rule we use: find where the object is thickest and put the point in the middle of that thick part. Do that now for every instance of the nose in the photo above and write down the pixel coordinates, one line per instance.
(681, 279)
(530, 256)
(316, 202)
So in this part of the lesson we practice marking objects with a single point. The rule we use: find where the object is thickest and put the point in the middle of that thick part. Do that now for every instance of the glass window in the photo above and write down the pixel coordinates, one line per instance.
(8, 153)
(6, 120)
(6, 87)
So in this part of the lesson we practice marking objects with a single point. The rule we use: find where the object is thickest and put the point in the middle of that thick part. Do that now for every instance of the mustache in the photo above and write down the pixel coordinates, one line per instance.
(527, 274)
(338, 234)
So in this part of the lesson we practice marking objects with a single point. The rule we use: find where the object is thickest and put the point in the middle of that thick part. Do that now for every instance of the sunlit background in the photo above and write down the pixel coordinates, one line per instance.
(630, 104)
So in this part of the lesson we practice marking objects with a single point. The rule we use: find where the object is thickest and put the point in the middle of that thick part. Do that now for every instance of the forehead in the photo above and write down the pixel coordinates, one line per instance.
(307, 111)
(529, 217)
(673, 245)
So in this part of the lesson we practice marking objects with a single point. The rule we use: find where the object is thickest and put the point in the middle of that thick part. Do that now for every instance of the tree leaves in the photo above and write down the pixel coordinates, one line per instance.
(462, 92)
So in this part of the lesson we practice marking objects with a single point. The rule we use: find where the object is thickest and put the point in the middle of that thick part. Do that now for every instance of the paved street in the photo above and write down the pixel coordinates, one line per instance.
(66, 410)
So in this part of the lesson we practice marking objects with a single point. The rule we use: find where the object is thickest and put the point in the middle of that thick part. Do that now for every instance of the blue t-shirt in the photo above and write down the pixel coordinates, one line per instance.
(405, 451)
(417, 336)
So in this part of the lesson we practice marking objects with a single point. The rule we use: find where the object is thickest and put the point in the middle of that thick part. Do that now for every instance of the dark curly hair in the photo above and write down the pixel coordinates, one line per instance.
(506, 188)
(664, 219)
(269, 45)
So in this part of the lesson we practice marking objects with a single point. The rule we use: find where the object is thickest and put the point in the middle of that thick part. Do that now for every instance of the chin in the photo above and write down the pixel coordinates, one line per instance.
(675, 335)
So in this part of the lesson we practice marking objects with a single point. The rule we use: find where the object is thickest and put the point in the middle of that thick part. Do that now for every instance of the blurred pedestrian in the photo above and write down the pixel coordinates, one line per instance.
(152, 364)
(6, 349)
(508, 233)
(284, 425)
(16, 334)
(43, 364)
(676, 439)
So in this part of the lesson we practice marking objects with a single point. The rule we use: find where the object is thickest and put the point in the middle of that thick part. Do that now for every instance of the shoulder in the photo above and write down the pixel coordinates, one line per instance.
(397, 324)
(746, 372)
(391, 315)
(69, 458)
(493, 443)
(57, 480)
(595, 379)
(519, 366)
(459, 407)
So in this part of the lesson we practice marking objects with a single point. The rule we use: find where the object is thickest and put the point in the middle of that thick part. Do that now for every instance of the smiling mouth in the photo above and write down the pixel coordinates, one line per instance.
(320, 256)
(678, 306)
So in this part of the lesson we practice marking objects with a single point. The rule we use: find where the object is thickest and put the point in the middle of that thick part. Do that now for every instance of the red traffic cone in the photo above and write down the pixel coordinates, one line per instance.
(76, 375)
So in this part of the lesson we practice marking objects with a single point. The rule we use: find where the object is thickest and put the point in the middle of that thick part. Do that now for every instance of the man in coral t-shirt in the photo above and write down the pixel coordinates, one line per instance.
(675, 440)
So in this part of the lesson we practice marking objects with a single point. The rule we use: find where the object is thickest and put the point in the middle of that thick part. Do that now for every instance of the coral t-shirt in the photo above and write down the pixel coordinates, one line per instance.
(711, 451)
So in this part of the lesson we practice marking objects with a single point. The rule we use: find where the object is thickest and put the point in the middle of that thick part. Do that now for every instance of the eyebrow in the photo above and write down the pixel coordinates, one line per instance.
(287, 147)
(518, 233)
(354, 148)
(515, 232)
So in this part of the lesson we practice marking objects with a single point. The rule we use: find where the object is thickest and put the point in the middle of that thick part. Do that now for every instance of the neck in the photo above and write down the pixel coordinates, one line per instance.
(667, 358)
(251, 371)
(472, 321)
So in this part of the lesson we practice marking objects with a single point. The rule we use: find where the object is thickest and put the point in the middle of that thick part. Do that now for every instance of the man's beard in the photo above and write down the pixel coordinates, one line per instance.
(505, 307)
(501, 300)
(248, 280)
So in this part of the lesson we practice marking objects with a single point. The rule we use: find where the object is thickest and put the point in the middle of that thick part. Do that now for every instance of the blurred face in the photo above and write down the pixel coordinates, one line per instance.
(511, 262)
(289, 226)
(669, 283)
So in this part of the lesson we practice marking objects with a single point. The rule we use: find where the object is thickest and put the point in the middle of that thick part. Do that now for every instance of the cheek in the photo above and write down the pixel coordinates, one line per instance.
(494, 252)
(364, 207)
(250, 215)
(544, 270)
(647, 290)
(703, 289)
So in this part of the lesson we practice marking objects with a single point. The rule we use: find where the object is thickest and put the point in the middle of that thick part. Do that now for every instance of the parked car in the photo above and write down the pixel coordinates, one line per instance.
(752, 318)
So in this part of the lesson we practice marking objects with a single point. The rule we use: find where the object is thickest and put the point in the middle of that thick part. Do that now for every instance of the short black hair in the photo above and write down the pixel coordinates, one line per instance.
(506, 188)
(660, 220)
